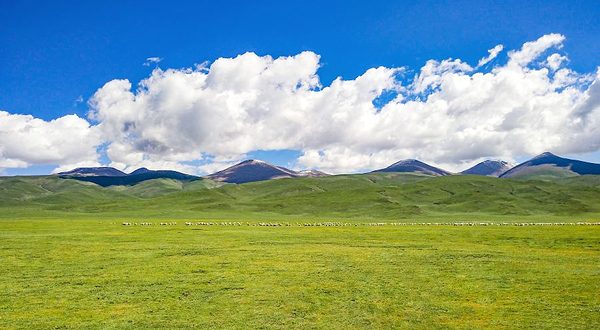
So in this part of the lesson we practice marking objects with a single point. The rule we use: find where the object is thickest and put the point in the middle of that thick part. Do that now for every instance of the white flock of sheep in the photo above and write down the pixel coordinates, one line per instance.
(146, 223)
(356, 224)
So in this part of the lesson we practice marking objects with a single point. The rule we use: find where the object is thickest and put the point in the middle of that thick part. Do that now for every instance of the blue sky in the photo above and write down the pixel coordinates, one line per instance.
(55, 55)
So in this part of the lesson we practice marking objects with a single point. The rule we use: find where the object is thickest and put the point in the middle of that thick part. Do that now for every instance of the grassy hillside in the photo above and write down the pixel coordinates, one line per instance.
(160, 187)
(547, 172)
(375, 195)
(583, 180)
(21, 190)
(28, 190)
(378, 196)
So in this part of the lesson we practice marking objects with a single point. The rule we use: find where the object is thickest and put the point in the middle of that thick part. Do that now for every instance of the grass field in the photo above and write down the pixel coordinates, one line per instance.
(86, 274)
(66, 262)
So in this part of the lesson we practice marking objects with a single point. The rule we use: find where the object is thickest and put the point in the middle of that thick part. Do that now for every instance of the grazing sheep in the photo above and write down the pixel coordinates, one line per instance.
(356, 224)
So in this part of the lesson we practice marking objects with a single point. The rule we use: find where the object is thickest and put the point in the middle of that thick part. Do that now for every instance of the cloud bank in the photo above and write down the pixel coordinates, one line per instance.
(69, 141)
(448, 113)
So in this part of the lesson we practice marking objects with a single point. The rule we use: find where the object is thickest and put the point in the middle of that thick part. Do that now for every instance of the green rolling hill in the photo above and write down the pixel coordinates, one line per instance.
(51, 189)
(159, 187)
(362, 195)
(24, 190)
(384, 195)
(583, 180)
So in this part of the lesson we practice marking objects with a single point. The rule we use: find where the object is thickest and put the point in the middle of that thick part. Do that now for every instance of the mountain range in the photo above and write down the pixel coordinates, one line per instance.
(93, 171)
(414, 166)
(546, 166)
(546, 184)
(108, 176)
(257, 170)
(493, 168)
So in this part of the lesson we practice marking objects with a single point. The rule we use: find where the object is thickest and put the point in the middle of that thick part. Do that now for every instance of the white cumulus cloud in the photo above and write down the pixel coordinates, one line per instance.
(25, 140)
(448, 114)
(554, 61)
(533, 49)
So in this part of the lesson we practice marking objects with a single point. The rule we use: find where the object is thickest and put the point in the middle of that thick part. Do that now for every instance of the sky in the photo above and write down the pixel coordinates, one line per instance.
(339, 86)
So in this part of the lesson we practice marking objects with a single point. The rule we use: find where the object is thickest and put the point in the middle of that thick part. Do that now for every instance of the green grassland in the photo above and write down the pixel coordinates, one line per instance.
(68, 263)
(84, 274)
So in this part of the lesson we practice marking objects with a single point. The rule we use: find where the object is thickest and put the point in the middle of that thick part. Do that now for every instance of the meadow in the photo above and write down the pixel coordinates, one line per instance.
(86, 274)
(70, 264)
